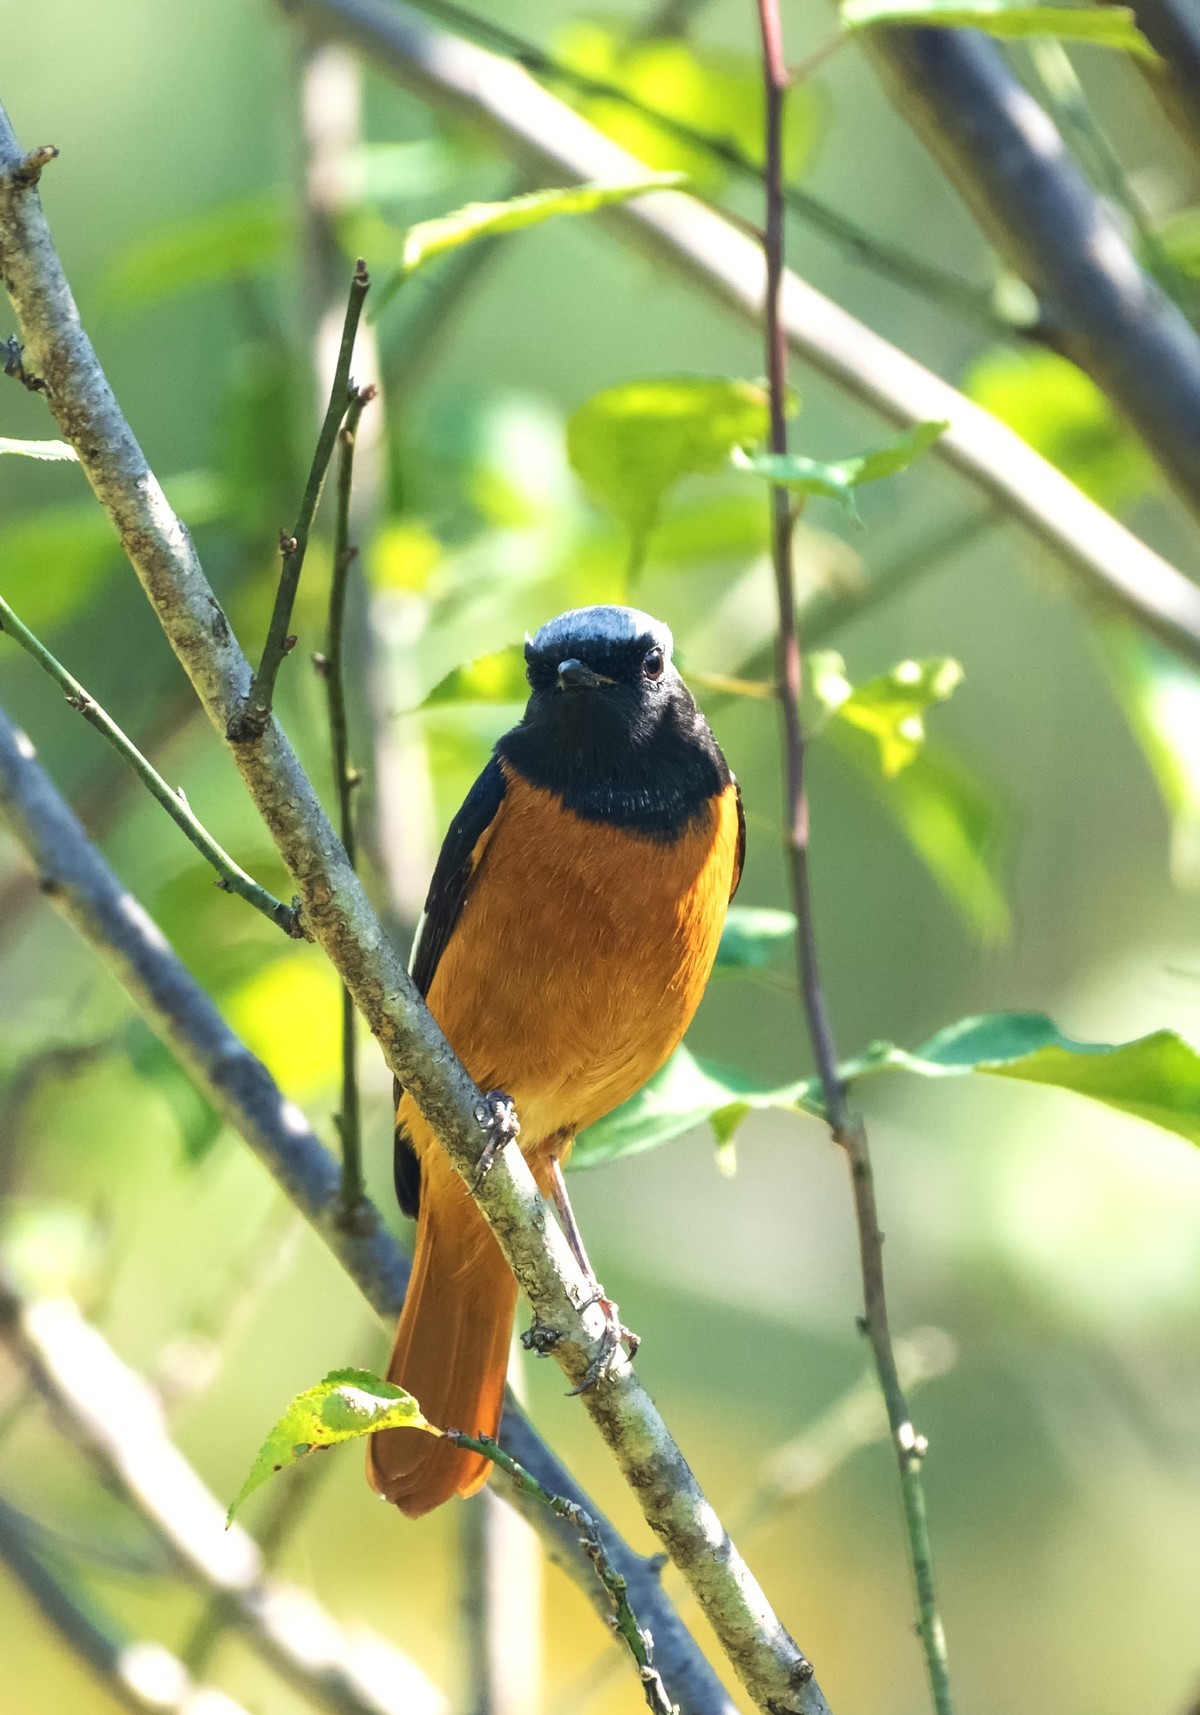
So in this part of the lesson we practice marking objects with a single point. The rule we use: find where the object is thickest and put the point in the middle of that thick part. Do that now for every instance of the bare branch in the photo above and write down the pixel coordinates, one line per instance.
(570, 1319)
(79, 883)
(145, 1677)
(1173, 28)
(117, 1420)
(1011, 167)
(233, 877)
(847, 1128)
(249, 722)
(455, 76)
(345, 778)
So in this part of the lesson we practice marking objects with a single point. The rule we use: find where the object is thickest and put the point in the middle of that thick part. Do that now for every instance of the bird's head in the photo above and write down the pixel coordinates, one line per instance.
(603, 671)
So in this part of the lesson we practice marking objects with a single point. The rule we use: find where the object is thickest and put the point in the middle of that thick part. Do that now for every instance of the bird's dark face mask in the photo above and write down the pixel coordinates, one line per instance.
(611, 726)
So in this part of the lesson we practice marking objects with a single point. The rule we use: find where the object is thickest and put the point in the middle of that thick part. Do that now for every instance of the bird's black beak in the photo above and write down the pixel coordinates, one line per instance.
(574, 676)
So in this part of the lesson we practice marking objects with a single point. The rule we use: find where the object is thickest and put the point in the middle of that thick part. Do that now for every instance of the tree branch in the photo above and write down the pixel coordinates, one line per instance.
(249, 721)
(1010, 165)
(232, 877)
(117, 1420)
(345, 778)
(529, 123)
(847, 1128)
(571, 1321)
(144, 1677)
(79, 883)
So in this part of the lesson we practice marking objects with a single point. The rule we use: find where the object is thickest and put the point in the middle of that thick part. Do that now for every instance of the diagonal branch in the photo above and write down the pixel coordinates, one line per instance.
(1008, 162)
(117, 1420)
(79, 883)
(232, 877)
(571, 1320)
(145, 1677)
(529, 123)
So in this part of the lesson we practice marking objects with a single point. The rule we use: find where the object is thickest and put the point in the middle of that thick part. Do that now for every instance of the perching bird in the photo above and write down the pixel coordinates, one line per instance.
(570, 929)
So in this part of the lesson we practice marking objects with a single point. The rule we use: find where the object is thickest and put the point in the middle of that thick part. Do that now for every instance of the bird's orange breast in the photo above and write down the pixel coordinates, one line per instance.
(580, 957)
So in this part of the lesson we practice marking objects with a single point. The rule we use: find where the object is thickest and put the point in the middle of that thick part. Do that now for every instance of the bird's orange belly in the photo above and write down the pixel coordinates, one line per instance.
(581, 956)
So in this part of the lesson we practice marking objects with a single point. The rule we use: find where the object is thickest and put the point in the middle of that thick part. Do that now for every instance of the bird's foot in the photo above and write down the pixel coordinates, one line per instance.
(615, 1336)
(498, 1117)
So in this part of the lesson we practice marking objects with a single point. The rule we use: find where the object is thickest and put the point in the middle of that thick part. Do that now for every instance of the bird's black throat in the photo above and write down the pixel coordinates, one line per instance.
(615, 756)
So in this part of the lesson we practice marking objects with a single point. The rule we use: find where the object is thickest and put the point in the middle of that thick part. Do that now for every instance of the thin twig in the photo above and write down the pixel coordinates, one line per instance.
(639, 1643)
(251, 720)
(233, 879)
(465, 81)
(847, 1128)
(345, 778)
(80, 884)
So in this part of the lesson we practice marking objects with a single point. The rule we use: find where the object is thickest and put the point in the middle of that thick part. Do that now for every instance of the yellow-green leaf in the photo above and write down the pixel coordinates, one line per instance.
(891, 707)
(632, 443)
(430, 238)
(839, 479)
(1101, 26)
(346, 1405)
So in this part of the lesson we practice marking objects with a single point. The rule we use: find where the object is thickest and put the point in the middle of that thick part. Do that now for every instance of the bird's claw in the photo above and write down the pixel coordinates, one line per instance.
(498, 1116)
(615, 1336)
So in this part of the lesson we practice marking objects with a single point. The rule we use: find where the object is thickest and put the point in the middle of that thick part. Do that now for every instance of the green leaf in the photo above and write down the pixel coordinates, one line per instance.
(891, 708)
(240, 240)
(57, 450)
(1155, 1078)
(1102, 26)
(685, 1094)
(707, 89)
(838, 480)
(346, 1405)
(632, 443)
(1064, 416)
(1160, 695)
(430, 238)
(496, 678)
(753, 938)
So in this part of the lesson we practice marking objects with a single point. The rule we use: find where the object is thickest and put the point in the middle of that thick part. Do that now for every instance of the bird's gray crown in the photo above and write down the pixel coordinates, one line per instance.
(582, 625)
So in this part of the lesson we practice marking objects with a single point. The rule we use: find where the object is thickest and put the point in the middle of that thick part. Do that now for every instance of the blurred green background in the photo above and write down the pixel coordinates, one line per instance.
(1057, 1244)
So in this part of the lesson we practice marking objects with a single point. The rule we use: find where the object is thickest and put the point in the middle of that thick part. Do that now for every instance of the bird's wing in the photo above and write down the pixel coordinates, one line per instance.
(452, 875)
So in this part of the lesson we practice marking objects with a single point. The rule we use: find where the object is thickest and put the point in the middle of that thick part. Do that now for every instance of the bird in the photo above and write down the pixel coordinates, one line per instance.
(570, 929)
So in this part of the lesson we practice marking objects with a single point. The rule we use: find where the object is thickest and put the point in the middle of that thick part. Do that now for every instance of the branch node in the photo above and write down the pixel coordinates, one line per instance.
(287, 542)
(14, 366)
(540, 1338)
(25, 176)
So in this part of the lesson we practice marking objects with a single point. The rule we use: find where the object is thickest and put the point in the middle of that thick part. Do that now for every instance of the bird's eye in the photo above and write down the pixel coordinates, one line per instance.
(653, 665)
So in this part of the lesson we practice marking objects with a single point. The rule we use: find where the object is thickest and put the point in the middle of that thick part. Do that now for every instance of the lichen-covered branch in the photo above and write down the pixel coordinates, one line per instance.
(536, 128)
(336, 910)
(77, 880)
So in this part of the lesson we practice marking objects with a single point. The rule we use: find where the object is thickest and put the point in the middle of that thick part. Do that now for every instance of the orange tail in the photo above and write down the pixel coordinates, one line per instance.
(451, 1350)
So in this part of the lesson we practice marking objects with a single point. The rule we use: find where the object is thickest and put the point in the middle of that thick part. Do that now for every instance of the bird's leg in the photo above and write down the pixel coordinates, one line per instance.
(498, 1116)
(615, 1332)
